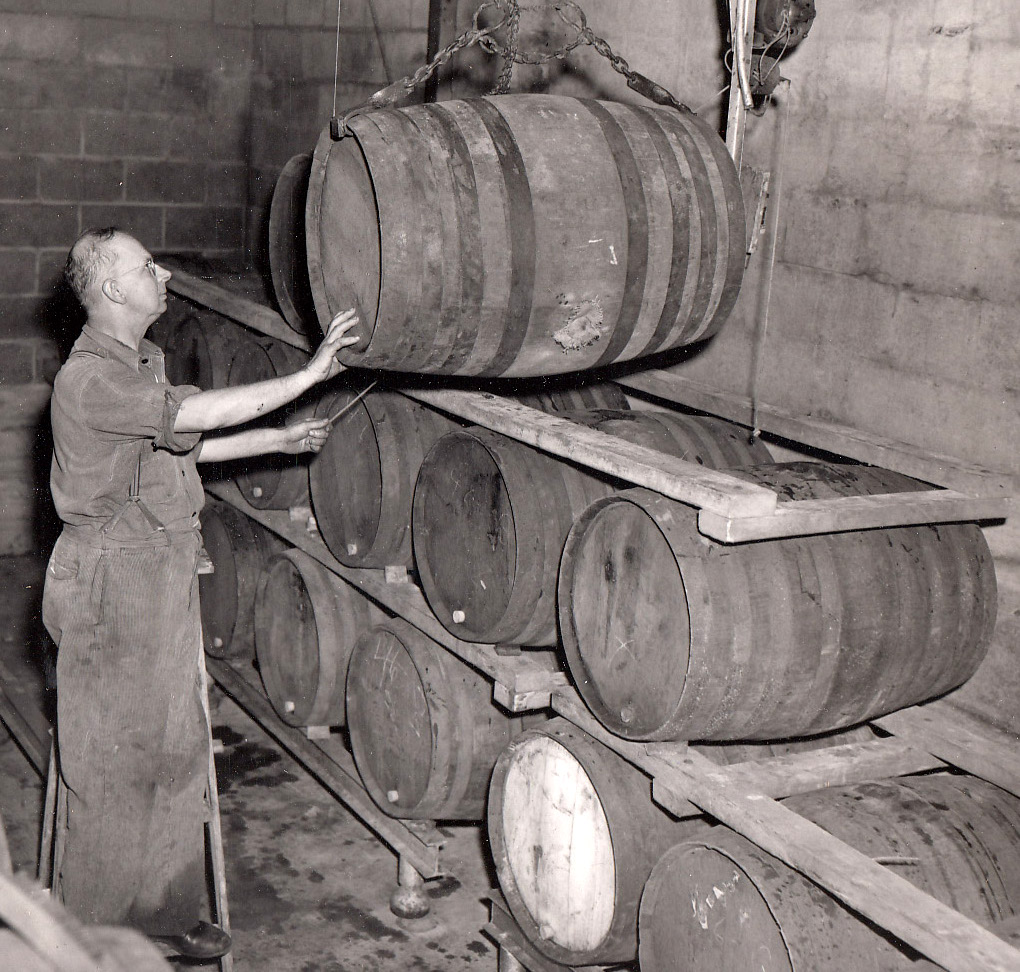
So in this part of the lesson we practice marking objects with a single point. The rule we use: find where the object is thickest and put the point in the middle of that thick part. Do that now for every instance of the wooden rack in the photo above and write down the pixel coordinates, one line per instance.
(743, 796)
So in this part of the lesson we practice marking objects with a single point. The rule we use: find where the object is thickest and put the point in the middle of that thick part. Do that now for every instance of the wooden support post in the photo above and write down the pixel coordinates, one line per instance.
(409, 899)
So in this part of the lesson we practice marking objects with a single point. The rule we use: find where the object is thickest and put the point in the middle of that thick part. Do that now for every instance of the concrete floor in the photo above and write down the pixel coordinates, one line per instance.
(308, 884)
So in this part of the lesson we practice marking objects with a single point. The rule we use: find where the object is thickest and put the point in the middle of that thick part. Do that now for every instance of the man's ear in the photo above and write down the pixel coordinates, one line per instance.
(112, 290)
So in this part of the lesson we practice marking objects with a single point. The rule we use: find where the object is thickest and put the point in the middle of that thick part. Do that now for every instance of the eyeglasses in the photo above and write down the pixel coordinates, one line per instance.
(149, 265)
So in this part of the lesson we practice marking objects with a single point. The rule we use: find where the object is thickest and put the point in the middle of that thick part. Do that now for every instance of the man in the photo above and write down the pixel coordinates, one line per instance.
(121, 595)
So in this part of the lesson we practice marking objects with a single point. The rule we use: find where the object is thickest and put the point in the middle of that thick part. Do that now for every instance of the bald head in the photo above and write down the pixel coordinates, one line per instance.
(88, 263)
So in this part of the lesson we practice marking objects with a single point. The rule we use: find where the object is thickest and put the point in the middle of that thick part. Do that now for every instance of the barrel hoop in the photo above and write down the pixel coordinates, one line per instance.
(680, 202)
(636, 207)
(521, 220)
(709, 226)
(462, 174)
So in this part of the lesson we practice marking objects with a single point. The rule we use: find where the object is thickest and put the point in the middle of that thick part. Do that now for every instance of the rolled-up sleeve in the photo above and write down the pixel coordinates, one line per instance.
(168, 437)
(137, 408)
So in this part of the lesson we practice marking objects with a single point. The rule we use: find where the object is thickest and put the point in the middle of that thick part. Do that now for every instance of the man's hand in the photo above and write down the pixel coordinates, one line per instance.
(324, 364)
(307, 435)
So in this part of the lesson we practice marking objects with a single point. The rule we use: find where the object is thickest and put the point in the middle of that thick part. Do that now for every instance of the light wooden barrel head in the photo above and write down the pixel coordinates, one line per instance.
(629, 616)
(466, 544)
(349, 244)
(701, 912)
(558, 845)
(388, 719)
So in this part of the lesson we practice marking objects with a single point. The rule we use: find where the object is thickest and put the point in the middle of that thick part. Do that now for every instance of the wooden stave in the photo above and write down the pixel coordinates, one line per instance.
(418, 149)
(737, 569)
(239, 549)
(932, 820)
(464, 729)
(400, 433)
(339, 612)
(640, 831)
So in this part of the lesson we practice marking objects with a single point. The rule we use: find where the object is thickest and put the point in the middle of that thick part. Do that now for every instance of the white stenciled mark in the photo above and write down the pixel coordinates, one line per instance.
(612, 255)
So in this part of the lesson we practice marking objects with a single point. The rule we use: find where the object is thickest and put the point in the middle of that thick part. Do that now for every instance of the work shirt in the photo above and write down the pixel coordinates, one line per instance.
(110, 406)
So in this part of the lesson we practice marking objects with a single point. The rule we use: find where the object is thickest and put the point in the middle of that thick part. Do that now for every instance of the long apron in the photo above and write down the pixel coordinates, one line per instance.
(132, 737)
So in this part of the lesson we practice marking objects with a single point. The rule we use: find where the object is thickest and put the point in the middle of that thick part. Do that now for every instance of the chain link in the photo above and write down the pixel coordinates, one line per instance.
(510, 15)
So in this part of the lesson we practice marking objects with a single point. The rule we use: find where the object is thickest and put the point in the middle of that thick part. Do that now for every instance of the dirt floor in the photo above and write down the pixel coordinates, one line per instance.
(308, 884)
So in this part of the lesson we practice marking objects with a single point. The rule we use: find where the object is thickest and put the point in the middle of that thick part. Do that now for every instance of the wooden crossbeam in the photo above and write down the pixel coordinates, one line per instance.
(804, 517)
(961, 740)
(236, 307)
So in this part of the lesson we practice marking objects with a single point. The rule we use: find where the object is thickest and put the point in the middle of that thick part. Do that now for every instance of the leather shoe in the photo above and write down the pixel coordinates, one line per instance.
(204, 941)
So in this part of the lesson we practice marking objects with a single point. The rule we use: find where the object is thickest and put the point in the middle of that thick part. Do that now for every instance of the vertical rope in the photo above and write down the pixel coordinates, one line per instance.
(336, 60)
(769, 254)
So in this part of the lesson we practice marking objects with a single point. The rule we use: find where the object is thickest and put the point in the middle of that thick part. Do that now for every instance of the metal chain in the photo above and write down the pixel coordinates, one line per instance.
(484, 37)
(513, 26)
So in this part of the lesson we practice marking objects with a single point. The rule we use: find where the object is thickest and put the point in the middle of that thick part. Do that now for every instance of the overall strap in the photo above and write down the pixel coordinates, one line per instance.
(134, 499)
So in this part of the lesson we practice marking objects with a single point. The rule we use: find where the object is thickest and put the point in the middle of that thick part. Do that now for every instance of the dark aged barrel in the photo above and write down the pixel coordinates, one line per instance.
(288, 261)
(559, 396)
(723, 903)
(362, 482)
(523, 235)
(670, 635)
(239, 549)
(574, 835)
(424, 730)
(491, 515)
(306, 623)
(275, 481)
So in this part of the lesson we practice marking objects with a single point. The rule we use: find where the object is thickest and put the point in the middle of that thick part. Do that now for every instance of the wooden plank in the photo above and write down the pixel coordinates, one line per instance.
(854, 513)
(777, 776)
(237, 308)
(21, 711)
(684, 481)
(945, 936)
(37, 750)
(959, 739)
(421, 855)
(946, 471)
(521, 675)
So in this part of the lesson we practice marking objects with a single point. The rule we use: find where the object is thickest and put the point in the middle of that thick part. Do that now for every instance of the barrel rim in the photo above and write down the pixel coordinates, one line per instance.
(296, 171)
(420, 531)
(568, 632)
(313, 248)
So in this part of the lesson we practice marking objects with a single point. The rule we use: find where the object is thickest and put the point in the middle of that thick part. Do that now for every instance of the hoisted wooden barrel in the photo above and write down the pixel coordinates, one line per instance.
(723, 903)
(239, 549)
(424, 730)
(523, 234)
(275, 481)
(670, 635)
(491, 515)
(288, 261)
(306, 623)
(574, 835)
(362, 482)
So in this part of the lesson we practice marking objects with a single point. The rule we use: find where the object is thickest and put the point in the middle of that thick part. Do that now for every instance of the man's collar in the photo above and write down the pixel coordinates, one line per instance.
(108, 346)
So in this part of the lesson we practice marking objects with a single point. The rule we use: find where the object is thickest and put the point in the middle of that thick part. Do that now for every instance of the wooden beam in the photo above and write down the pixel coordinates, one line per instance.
(241, 309)
(341, 782)
(946, 471)
(854, 513)
(520, 676)
(959, 739)
(687, 482)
